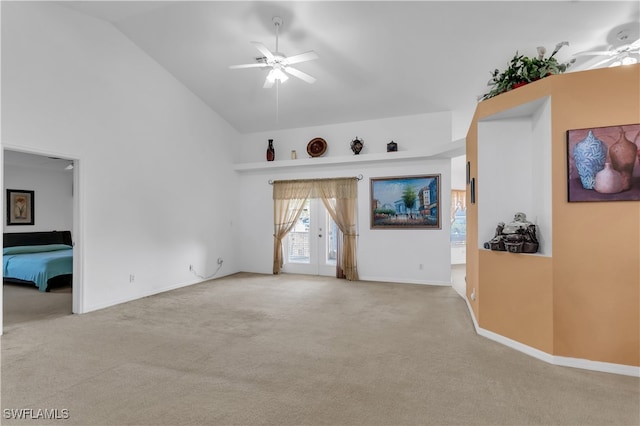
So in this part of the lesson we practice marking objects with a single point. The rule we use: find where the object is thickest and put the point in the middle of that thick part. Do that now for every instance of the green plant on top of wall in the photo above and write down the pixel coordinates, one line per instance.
(523, 70)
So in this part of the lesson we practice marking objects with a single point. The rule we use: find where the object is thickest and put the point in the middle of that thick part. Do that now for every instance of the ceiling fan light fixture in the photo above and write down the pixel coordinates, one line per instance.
(277, 74)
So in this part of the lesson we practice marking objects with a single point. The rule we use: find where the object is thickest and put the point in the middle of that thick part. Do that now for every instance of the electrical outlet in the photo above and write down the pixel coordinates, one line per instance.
(132, 278)
(420, 266)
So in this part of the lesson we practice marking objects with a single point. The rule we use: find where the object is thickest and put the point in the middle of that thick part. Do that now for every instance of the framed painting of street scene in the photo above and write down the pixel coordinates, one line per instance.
(405, 202)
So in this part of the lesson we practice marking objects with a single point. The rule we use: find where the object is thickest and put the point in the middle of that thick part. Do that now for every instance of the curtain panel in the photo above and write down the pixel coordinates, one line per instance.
(288, 201)
(340, 198)
(458, 201)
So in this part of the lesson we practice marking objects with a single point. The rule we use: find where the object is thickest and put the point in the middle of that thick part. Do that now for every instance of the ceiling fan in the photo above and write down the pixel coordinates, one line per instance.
(625, 54)
(279, 63)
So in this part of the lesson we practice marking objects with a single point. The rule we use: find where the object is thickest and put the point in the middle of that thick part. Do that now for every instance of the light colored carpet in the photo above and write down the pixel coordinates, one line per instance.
(294, 350)
(23, 303)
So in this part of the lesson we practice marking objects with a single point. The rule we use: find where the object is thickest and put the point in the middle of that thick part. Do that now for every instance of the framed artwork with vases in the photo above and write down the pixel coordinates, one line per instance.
(603, 163)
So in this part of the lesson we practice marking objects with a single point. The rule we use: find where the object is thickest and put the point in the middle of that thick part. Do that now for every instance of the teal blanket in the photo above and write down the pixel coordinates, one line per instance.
(37, 263)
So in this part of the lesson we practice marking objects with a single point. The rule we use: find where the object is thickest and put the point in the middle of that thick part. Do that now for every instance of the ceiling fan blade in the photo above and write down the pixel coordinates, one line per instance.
(301, 75)
(597, 53)
(306, 56)
(263, 49)
(257, 65)
(635, 44)
(602, 62)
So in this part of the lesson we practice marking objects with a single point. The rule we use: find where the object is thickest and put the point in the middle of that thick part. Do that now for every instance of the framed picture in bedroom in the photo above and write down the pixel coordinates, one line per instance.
(603, 163)
(405, 202)
(20, 207)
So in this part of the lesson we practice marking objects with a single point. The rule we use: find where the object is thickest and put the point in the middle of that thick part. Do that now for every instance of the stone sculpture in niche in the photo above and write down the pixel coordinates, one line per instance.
(518, 236)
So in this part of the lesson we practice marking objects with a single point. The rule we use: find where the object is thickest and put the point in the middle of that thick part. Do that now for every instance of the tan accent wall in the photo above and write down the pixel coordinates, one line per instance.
(584, 301)
(517, 288)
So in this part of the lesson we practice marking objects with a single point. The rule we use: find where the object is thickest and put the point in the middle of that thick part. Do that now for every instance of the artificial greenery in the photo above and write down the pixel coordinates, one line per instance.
(523, 70)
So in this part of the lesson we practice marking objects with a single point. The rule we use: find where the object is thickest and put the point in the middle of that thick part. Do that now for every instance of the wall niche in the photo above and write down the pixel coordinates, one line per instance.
(514, 170)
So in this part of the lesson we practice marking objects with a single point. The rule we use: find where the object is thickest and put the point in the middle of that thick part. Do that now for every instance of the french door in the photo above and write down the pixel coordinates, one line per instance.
(311, 246)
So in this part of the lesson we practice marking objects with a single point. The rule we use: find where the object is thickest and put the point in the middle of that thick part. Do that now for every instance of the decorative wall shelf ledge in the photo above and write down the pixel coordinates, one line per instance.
(450, 150)
(501, 253)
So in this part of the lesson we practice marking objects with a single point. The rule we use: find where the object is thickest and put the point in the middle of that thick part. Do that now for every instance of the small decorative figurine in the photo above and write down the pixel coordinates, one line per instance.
(518, 236)
(392, 147)
(356, 145)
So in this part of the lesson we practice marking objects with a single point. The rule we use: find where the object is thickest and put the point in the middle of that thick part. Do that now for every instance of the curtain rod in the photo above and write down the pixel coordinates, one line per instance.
(359, 177)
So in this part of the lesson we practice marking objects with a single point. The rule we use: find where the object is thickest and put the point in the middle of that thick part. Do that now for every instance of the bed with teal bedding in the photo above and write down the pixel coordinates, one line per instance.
(38, 258)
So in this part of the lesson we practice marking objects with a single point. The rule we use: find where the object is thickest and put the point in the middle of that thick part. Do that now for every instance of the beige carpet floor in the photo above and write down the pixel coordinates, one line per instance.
(293, 350)
(23, 303)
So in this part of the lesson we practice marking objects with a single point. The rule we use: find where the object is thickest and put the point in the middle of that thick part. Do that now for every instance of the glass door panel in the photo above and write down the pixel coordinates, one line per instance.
(297, 247)
(311, 246)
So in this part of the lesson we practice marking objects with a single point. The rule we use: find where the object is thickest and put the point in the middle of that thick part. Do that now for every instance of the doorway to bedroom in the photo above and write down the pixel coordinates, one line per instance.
(50, 182)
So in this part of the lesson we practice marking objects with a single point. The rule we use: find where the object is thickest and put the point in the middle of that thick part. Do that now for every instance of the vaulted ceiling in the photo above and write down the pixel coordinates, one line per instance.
(376, 59)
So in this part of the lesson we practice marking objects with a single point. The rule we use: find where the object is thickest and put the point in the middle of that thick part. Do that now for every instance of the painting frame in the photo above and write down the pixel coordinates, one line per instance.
(595, 146)
(468, 172)
(20, 207)
(398, 202)
(473, 190)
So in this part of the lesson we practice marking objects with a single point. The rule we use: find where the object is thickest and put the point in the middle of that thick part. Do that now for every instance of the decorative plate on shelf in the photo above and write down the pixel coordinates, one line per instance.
(316, 147)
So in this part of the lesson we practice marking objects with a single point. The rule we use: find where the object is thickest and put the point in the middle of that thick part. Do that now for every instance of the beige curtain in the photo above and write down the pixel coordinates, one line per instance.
(288, 200)
(339, 196)
(339, 270)
(458, 201)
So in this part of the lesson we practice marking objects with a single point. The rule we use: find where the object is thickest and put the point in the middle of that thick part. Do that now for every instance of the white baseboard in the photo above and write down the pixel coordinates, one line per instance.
(606, 367)
(405, 281)
(585, 364)
(131, 298)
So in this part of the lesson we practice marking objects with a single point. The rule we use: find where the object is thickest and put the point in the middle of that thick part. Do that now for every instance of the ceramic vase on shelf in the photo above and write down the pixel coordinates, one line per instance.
(271, 152)
(589, 155)
(608, 180)
(623, 157)
(356, 146)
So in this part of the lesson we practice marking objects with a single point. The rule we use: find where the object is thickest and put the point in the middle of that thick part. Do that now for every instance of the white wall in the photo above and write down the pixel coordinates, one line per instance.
(53, 196)
(459, 173)
(156, 184)
(509, 182)
(383, 255)
(541, 213)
